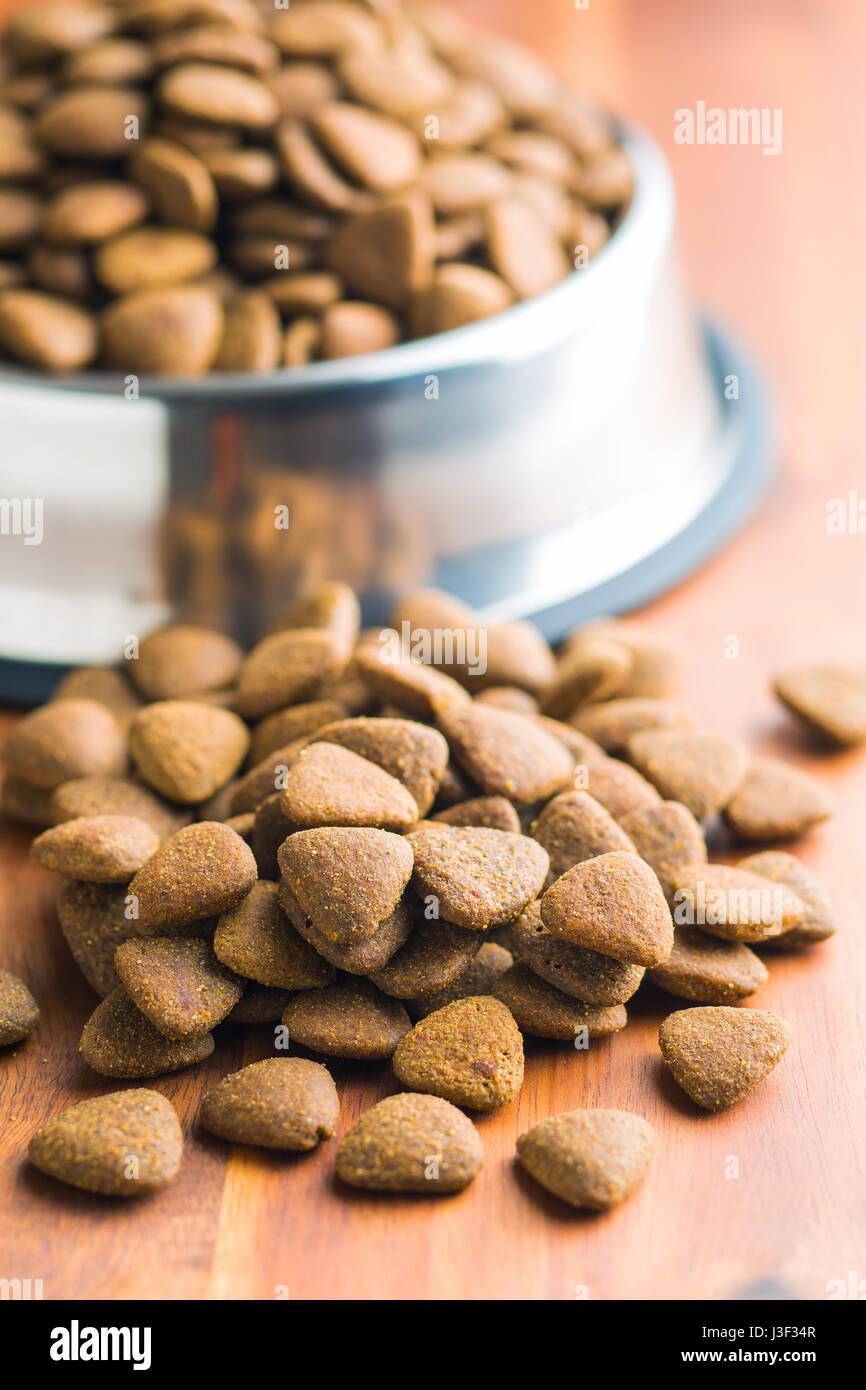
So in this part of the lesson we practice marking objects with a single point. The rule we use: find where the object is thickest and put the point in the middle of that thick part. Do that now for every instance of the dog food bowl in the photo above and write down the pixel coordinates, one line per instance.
(577, 454)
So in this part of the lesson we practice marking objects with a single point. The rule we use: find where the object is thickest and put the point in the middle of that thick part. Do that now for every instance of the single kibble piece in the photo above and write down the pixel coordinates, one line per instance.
(776, 802)
(414, 754)
(544, 1011)
(486, 812)
(19, 1012)
(435, 954)
(586, 975)
(97, 849)
(612, 904)
(285, 725)
(121, 1144)
(709, 971)
(667, 836)
(588, 1158)
(656, 666)
(330, 605)
(178, 984)
(259, 1004)
(200, 871)
(419, 690)
(733, 904)
(183, 660)
(574, 827)
(478, 978)
(619, 788)
(115, 796)
(818, 921)
(103, 684)
(593, 668)
(359, 956)
(119, 1041)
(718, 1055)
(347, 1019)
(346, 880)
(411, 1143)
(93, 919)
(256, 940)
(289, 667)
(701, 770)
(67, 738)
(469, 1052)
(506, 754)
(829, 699)
(281, 1103)
(612, 722)
(476, 878)
(330, 785)
(187, 750)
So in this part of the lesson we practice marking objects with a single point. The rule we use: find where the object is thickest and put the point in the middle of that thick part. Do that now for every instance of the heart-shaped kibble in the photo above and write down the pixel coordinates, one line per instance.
(775, 801)
(612, 904)
(346, 880)
(183, 660)
(701, 770)
(611, 723)
(97, 849)
(469, 1052)
(588, 1158)
(414, 754)
(330, 785)
(733, 904)
(177, 983)
(573, 827)
(544, 1011)
(94, 922)
(288, 667)
(187, 750)
(348, 1019)
(586, 975)
(818, 920)
(506, 754)
(115, 796)
(718, 1055)
(117, 1040)
(256, 940)
(435, 954)
(486, 812)
(65, 739)
(19, 1012)
(476, 878)
(478, 978)
(411, 1143)
(829, 699)
(200, 871)
(122, 1144)
(709, 971)
(280, 1103)
(667, 836)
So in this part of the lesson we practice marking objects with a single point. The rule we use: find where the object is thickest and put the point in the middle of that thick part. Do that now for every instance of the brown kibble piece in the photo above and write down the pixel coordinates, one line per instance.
(93, 920)
(346, 880)
(829, 699)
(592, 669)
(351, 328)
(90, 122)
(218, 94)
(490, 812)
(419, 690)
(544, 1011)
(733, 904)
(174, 330)
(435, 954)
(347, 1019)
(523, 248)
(818, 920)
(373, 150)
(287, 668)
(258, 1004)
(103, 684)
(330, 785)
(183, 660)
(119, 1041)
(114, 796)
(202, 870)
(700, 770)
(90, 1144)
(667, 836)
(460, 294)
(414, 754)
(280, 1103)
(619, 788)
(612, 904)
(22, 802)
(65, 739)
(256, 940)
(574, 827)
(709, 971)
(19, 1012)
(506, 754)
(150, 257)
(718, 1055)
(775, 801)
(612, 722)
(358, 957)
(386, 255)
(90, 212)
(470, 1052)
(588, 1158)
(411, 1143)
(656, 667)
(297, 721)
(478, 878)
(46, 331)
(574, 970)
(96, 849)
(253, 339)
(478, 978)
(187, 750)
(178, 984)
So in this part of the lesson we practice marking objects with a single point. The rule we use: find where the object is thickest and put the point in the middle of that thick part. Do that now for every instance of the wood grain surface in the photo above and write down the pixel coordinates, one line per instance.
(773, 246)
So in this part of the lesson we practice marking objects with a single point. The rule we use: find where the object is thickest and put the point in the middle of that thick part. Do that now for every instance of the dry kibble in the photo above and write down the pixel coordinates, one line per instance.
(718, 1055)
(386, 255)
(174, 330)
(544, 1011)
(419, 690)
(346, 880)
(93, 918)
(360, 956)
(90, 122)
(46, 331)
(103, 684)
(280, 1103)
(186, 750)
(259, 1004)
(19, 1012)
(523, 247)
(119, 1041)
(592, 669)
(435, 955)
(588, 1158)
(97, 849)
(490, 812)
(287, 668)
(352, 328)
(370, 148)
(573, 827)
(460, 294)
(667, 836)
(818, 920)
(611, 723)
(474, 877)
(222, 95)
(775, 801)
(469, 1052)
(506, 754)
(347, 1019)
(183, 660)
(115, 796)
(252, 337)
(411, 1143)
(612, 904)
(574, 970)
(285, 725)
(256, 940)
(85, 213)
(330, 785)
(62, 740)
(829, 699)
(619, 788)
(202, 870)
(656, 667)
(701, 770)
(709, 971)
(90, 1144)
(414, 754)
(179, 985)
(734, 904)
(150, 257)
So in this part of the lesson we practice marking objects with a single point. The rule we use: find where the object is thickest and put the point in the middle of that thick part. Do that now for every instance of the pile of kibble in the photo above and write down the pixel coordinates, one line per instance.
(218, 185)
(408, 864)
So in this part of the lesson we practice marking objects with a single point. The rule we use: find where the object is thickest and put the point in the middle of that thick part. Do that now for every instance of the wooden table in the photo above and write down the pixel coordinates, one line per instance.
(774, 247)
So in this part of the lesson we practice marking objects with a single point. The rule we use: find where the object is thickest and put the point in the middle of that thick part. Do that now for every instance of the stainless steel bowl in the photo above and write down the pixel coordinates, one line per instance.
(528, 463)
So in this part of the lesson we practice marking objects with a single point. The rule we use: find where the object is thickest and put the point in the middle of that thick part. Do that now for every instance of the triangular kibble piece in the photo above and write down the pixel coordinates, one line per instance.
(586, 975)
(701, 770)
(435, 954)
(19, 1012)
(330, 785)
(280, 1103)
(818, 920)
(488, 812)
(667, 836)
(506, 754)
(709, 971)
(91, 1144)
(478, 978)
(346, 880)
(612, 904)
(257, 940)
(718, 1055)
(386, 255)
(479, 878)
(198, 872)
(411, 1143)
(348, 1019)
(544, 1011)
(470, 1052)
(775, 801)
(830, 699)
(176, 983)
(589, 1158)
(733, 904)
(118, 1040)
(413, 753)
(187, 750)
(574, 827)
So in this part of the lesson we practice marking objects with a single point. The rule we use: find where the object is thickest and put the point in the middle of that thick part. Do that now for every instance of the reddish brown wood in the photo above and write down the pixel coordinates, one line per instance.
(774, 247)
